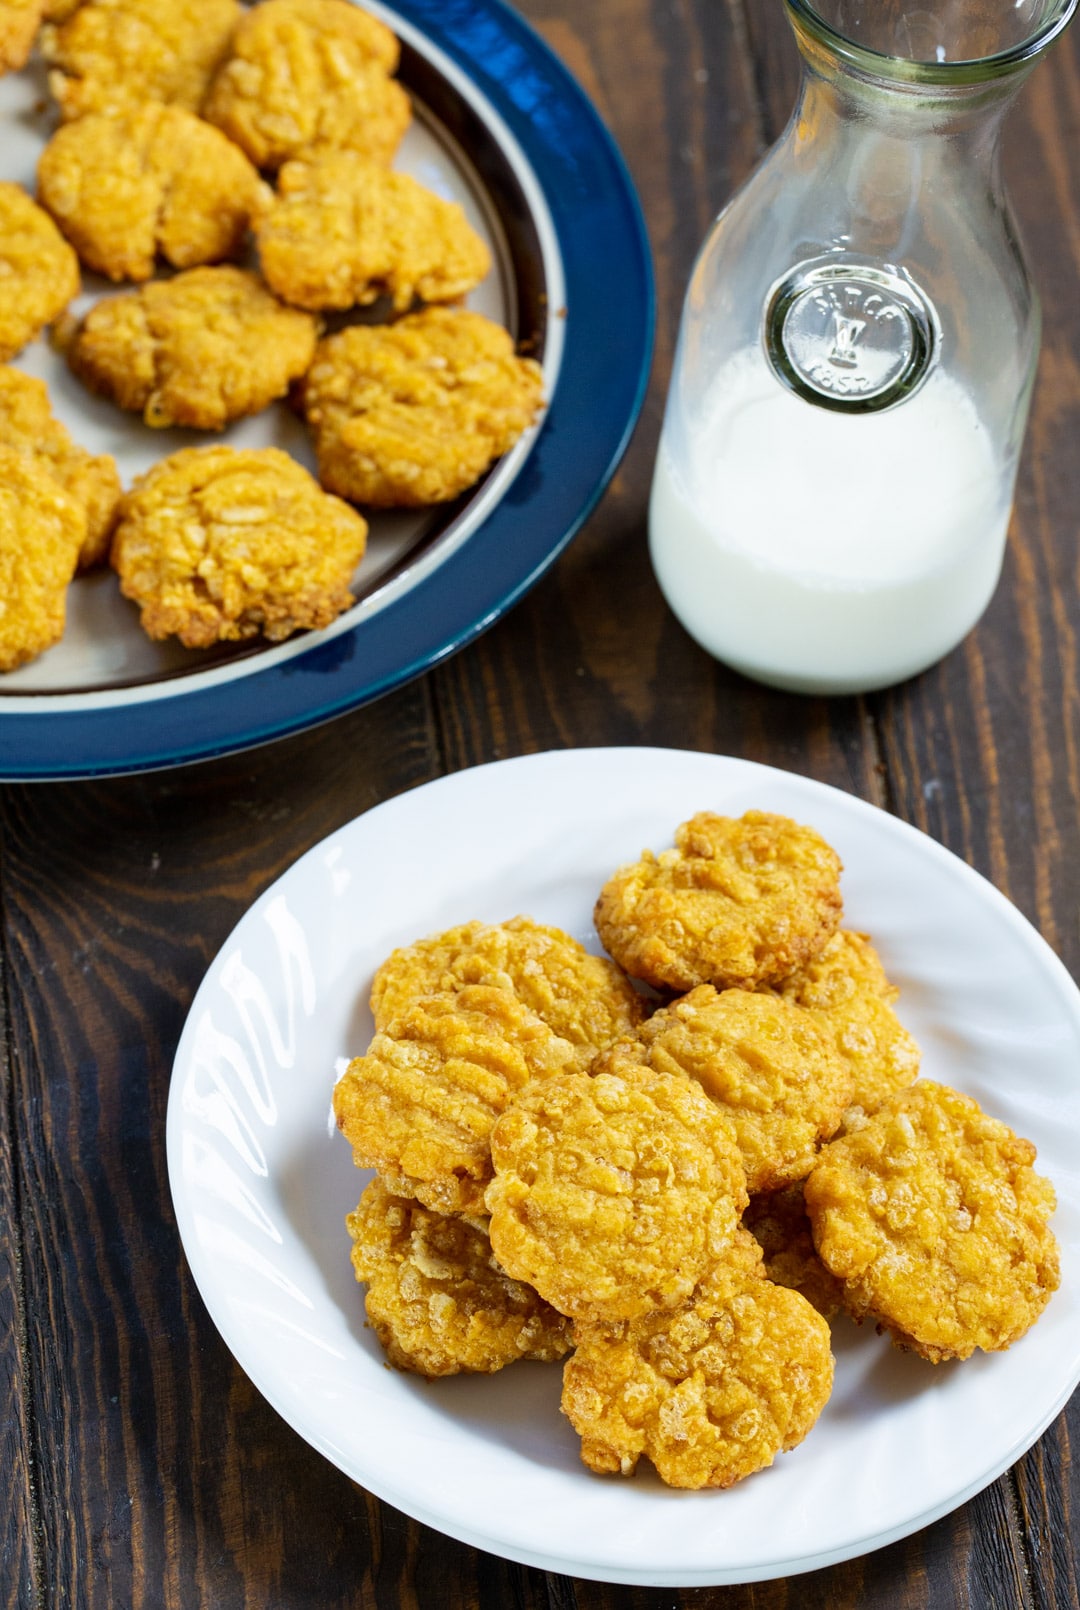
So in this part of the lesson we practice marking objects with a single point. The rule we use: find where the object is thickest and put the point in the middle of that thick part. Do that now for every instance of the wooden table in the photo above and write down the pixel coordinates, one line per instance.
(142, 1467)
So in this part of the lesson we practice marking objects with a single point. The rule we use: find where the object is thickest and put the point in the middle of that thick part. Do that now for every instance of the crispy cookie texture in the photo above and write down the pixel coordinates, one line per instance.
(846, 990)
(345, 231)
(710, 1392)
(150, 179)
(209, 346)
(27, 424)
(415, 412)
(308, 76)
(419, 1106)
(613, 1193)
(39, 272)
(42, 529)
(778, 1222)
(437, 1299)
(769, 1068)
(738, 902)
(19, 21)
(583, 998)
(216, 544)
(112, 53)
(936, 1222)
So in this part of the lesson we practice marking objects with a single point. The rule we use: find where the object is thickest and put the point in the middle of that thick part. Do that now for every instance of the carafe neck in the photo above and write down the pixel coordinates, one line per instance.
(883, 67)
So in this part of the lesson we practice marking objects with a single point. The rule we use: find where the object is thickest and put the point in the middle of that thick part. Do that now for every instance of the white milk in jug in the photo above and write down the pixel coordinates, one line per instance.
(821, 551)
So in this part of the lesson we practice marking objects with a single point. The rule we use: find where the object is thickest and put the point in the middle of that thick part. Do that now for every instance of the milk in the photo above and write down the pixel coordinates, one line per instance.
(821, 551)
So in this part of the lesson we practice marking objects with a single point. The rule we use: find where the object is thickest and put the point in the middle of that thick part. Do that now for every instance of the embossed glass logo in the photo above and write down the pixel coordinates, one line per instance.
(850, 335)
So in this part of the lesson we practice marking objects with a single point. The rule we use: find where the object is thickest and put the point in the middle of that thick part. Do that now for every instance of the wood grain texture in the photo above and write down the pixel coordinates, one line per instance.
(18, 1574)
(162, 1478)
(144, 1472)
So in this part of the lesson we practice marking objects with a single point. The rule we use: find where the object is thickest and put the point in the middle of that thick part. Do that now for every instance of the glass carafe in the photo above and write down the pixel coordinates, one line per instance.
(855, 361)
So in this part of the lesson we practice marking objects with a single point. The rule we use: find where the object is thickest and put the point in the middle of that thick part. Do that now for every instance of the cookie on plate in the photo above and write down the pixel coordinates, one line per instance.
(415, 412)
(112, 53)
(437, 1299)
(219, 545)
(771, 1070)
(201, 349)
(584, 998)
(779, 1224)
(307, 76)
(936, 1222)
(27, 424)
(42, 530)
(419, 1106)
(149, 180)
(615, 1192)
(739, 902)
(39, 272)
(344, 232)
(845, 989)
(19, 22)
(711, 1391)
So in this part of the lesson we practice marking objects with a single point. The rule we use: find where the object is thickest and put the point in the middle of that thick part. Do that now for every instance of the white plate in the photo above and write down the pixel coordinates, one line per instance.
(262, 1182)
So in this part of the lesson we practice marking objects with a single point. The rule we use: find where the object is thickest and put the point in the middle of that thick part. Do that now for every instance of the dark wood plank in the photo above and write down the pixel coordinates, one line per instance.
(1048, 1503)
(163, 1478)
(18, 1566)
(775, 62)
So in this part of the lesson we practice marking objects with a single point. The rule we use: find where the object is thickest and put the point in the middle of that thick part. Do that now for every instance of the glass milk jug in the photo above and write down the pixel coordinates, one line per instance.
(858, 344)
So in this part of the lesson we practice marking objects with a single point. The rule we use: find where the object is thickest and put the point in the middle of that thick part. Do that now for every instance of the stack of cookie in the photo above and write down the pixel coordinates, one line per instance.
(465, 1022)
(192, 130)
(678, 1184)
(900, 1202)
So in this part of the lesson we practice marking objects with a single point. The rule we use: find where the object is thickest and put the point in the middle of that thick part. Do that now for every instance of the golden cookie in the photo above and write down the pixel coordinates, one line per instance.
(415, 412)
(27, 424)
(738, 902)
(307, 76)
(771, 1070)
(613, 1193)
(420, 1105)
(39, 272)
(710, 1392)
(584, 998)
(150, 179)
(217, 545)
(846, 991)
(42, 529)
(19, 21)
(777, 1220)
(934, 1219)
(206, 347)
(113, 53)
(344, 231)
(437, 1300)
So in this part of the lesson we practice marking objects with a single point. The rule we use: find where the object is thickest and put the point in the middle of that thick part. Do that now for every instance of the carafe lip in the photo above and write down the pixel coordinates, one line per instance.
(906, 70)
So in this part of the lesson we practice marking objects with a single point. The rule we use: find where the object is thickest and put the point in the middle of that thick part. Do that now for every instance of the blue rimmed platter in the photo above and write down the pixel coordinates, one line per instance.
(503, 128)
